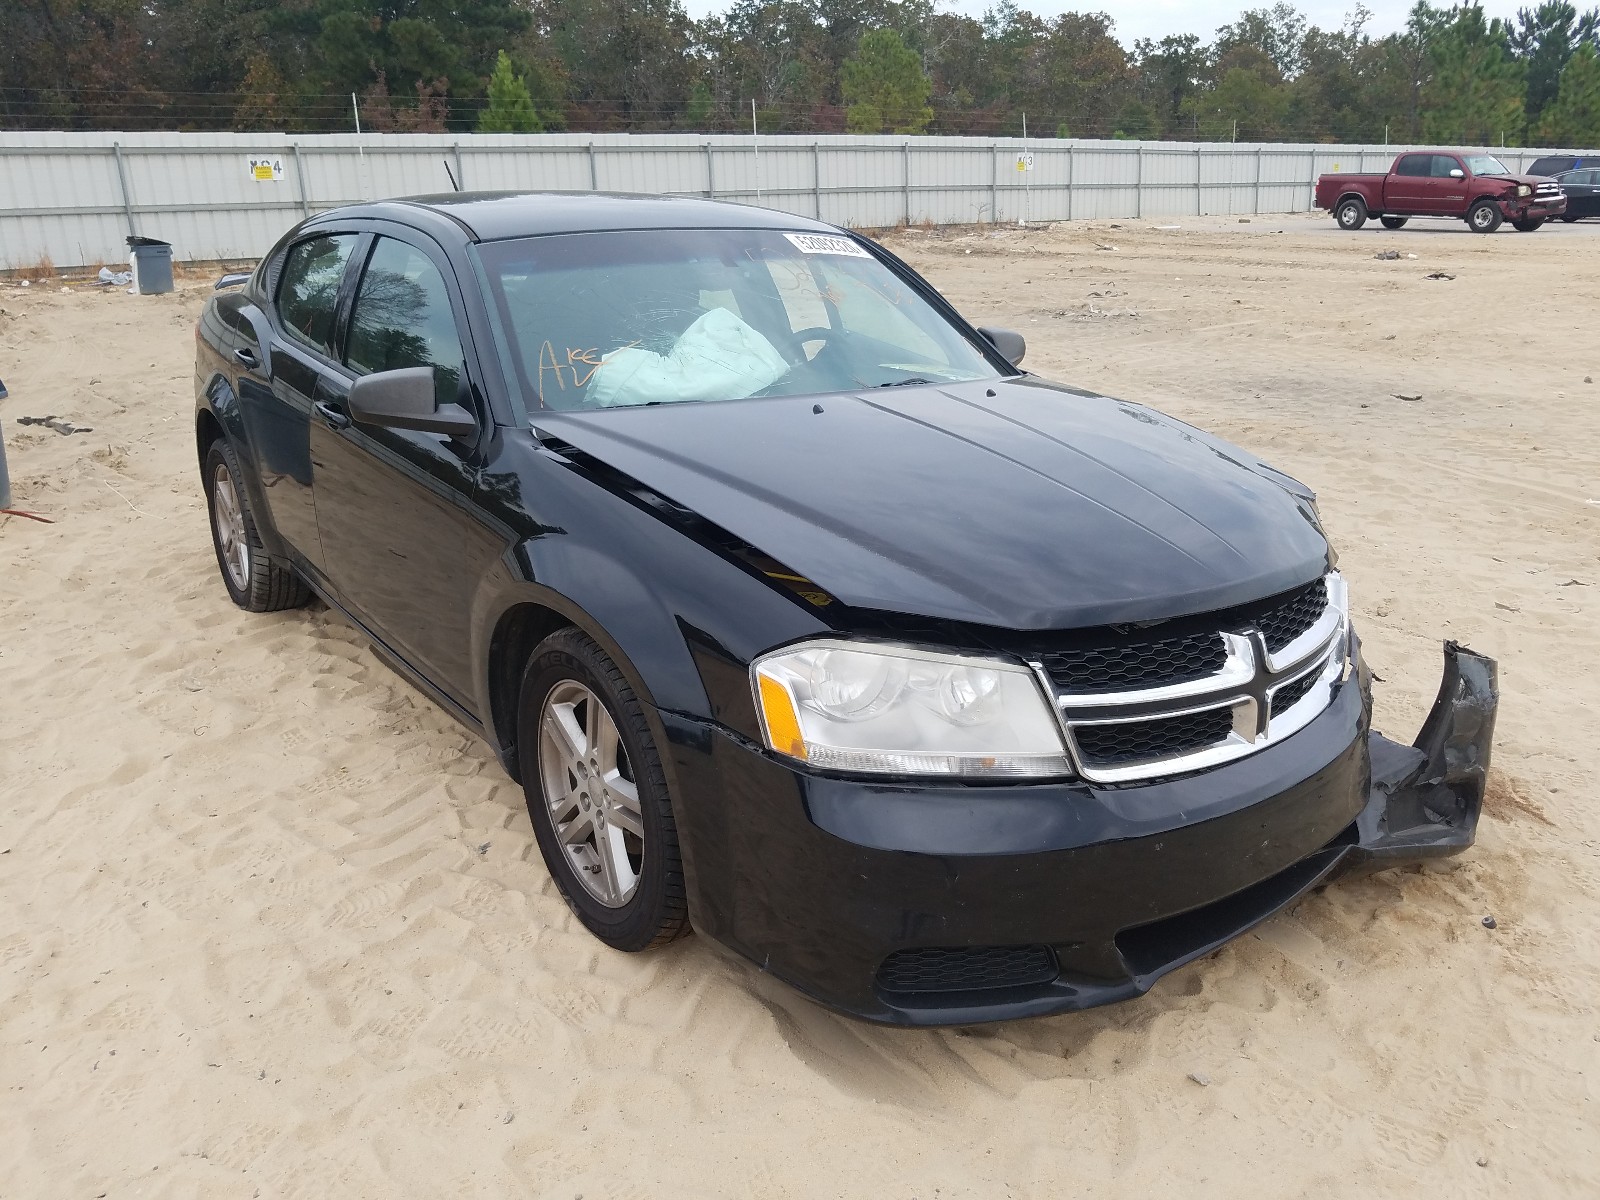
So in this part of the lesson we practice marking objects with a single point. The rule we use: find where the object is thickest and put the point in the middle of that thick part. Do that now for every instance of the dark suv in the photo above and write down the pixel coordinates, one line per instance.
(1559, 164)
(803, 615)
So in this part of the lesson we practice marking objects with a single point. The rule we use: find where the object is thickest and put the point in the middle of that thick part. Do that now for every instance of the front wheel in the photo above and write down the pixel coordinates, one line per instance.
(1484, 217)
(1569, 218)
(255, 580)
(1527, 226)
(1351, 213)
(597, 796)
(1394, 222)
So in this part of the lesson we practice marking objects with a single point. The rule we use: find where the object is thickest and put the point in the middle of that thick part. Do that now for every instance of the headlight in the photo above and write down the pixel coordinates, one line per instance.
(1524, 190)
(845, 706)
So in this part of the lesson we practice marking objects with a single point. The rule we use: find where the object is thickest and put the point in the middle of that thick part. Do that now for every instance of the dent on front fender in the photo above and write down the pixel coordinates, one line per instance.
(1426, 798)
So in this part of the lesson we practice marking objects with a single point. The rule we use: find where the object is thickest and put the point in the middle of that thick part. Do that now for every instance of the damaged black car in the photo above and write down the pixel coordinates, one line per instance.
(804, 616)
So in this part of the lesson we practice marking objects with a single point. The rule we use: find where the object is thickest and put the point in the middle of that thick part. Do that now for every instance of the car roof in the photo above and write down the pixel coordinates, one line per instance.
(489, 216)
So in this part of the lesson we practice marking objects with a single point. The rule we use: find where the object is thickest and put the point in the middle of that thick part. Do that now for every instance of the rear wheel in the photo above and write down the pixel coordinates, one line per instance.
(597, 796)
(1527, 226)
(1484, 217)
(255, 580)
(1394, 222)
(1351, 213)
(1569, 218)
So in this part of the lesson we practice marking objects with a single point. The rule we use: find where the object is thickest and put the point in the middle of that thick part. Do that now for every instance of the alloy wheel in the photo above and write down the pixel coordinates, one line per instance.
(231, 539)
(590, 790)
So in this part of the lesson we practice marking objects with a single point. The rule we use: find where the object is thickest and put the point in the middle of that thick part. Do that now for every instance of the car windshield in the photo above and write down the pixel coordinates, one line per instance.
(1486, 164)
(620, 319)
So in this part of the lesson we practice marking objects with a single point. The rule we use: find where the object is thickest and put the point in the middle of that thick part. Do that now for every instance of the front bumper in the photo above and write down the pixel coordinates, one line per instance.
(1534, 208)
(940, 905)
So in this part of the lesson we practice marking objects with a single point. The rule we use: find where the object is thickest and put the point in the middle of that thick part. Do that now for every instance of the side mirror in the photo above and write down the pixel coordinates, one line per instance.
(231, 279)
(1457, 173)
(1011, 344)
(404, 399)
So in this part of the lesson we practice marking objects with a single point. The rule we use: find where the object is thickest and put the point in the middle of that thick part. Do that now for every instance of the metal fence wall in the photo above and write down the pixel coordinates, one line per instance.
(74, 197)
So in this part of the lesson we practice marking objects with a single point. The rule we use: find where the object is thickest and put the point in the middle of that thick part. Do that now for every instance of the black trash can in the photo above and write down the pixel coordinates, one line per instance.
(151, 260)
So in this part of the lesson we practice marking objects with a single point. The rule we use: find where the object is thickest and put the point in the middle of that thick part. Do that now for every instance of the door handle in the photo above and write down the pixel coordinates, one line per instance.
(331, 416)
(247, 357)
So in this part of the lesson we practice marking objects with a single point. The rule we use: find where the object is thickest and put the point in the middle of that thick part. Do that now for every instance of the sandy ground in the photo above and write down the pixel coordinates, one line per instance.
(272, 925)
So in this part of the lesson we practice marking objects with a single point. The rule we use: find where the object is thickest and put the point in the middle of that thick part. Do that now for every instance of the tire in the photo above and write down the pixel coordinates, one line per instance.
(1351, 213)
(1484, 217)
(1569, 218)
(614, 856)
(256, 581)
(1527, 226)
(1394, 222)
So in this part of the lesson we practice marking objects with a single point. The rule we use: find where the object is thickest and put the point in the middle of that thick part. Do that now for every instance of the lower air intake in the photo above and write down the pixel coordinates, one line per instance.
(966, 969)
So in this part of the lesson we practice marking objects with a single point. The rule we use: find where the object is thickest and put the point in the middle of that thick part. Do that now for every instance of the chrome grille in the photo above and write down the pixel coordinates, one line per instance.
(1291, 694)
(1291, 617)
(1132, 741)
(1141, 710)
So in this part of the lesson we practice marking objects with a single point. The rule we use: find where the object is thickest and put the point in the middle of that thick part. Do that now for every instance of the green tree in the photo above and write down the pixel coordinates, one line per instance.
(1137, 121)
(697, 113)
(1170, 72)
(627, 62)
(1250, 96)
(1335, 95)
(1573, 119)
(263, 103)
(1278, 32)
(1475, 91)
(510, 108)
(885, 87)
(1544, 39)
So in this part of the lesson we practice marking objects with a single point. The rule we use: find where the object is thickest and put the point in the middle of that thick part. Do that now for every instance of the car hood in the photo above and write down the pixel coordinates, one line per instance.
(1011, 503)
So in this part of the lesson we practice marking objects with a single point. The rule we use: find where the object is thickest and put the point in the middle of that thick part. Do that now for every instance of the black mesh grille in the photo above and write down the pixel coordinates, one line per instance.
(1291, 694)
(1132, 741)
(1293, 615)
(1139, 665)
(966, 969)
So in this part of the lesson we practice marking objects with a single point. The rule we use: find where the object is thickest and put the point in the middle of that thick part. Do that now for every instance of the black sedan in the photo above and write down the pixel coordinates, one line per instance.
(803, 615)
(1583, 193)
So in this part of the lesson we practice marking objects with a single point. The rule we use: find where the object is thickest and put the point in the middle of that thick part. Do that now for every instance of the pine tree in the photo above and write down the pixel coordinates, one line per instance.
(1475, 93)
(510, 108)
(1545, 39)
(1573, 119)
(885, 87)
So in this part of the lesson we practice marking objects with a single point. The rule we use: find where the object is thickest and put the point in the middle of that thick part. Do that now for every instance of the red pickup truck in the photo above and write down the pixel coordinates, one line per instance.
(1475, 188)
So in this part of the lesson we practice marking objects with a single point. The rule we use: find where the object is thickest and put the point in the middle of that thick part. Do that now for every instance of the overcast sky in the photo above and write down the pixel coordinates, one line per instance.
(1155, 19)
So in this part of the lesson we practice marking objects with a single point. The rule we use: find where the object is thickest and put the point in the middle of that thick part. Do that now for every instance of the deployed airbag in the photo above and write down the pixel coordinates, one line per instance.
(719, 357)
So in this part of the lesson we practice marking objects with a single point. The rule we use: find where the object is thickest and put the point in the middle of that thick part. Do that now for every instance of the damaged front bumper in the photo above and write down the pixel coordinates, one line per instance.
(1425, 798)
(944, 905)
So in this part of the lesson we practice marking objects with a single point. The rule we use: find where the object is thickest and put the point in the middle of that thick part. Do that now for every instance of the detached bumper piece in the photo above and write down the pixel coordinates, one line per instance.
(1425, 798)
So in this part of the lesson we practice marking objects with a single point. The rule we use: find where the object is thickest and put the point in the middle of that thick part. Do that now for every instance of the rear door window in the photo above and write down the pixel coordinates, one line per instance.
(1414, 165)
(402, 318)
(308, 289)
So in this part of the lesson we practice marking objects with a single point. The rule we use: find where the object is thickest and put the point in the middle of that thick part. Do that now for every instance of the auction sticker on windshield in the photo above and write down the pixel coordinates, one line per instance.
(817, 243)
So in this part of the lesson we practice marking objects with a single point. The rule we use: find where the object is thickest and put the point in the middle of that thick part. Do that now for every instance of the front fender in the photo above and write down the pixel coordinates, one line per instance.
(681, 616)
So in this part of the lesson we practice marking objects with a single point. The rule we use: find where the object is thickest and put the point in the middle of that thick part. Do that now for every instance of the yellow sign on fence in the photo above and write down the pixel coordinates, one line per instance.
(265, 170)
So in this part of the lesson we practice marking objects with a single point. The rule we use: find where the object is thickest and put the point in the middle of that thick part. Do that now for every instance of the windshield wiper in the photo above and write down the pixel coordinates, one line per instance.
(914, 380)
